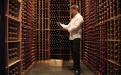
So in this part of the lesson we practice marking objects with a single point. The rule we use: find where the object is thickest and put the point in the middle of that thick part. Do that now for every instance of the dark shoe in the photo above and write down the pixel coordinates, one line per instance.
(72, 68)
(77, 72)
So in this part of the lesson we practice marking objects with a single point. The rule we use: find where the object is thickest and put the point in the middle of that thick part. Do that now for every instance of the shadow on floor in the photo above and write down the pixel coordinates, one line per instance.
(45, 69)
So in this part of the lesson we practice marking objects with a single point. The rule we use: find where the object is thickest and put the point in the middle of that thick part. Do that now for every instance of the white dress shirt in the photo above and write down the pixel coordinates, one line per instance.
(74, 27)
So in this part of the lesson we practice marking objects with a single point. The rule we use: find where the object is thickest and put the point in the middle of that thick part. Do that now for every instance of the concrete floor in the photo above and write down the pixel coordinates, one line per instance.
(45, 69)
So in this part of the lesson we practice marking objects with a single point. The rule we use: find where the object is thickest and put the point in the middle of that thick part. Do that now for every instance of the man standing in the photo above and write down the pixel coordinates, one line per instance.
(74, 29)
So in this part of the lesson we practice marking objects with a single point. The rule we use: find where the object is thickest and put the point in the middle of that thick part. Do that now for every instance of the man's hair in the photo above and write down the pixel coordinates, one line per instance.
(75, 7)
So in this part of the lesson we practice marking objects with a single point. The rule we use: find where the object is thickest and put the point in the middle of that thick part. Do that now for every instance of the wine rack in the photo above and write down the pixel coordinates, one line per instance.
(13, 37)
(28, 36)
(29, 14)
(45, 35)
(59, 44)
(82, 11)
(39, 28)
(101, 36)
(43, 30)
(64, 44)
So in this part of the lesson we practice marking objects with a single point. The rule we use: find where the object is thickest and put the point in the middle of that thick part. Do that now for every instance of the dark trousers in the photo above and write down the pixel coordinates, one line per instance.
(75, 50)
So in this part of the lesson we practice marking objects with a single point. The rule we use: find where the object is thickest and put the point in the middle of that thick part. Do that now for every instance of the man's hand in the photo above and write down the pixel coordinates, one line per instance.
(58, 23)
(63, 29)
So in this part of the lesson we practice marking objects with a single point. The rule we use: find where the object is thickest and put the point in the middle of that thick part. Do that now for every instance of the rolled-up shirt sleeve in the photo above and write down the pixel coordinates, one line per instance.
(64, 26)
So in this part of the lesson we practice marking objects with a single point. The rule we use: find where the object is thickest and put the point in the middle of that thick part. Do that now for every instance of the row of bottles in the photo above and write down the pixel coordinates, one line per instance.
(13, 51)
(57, 13)
(13, 9)
(57, 38)
(15, 70)
(13, 30)
(101, 36)
(43, 30)
(114, 31)
(59, 2)
(28, 31)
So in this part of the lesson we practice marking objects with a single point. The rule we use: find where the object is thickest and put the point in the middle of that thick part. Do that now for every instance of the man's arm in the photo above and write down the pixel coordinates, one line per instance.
(62, 25)
(78, 22)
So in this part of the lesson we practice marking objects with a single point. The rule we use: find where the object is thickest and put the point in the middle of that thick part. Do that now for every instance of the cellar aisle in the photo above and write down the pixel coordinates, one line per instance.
(45, 69)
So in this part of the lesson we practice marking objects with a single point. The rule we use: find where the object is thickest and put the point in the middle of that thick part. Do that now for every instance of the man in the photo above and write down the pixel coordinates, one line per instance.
(74, 29)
